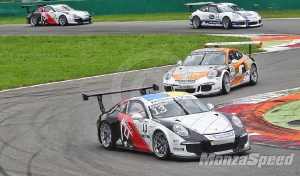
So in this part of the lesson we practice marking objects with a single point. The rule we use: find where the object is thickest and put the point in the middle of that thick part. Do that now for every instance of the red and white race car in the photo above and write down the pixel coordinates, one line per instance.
(59, 14)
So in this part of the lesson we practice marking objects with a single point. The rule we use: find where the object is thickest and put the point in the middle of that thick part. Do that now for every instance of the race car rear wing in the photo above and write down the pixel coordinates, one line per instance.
(32, 5)
(142, 90)
(216, 45)
(196, 3)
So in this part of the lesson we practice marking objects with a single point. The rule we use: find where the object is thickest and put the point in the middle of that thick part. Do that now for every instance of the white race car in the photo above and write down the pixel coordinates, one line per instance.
(58, 14)
(169, 124)
(213, 70)
(222, 14)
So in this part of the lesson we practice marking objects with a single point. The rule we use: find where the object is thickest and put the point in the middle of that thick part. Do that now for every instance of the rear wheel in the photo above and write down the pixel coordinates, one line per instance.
(63, 20)
(253, 75)
(161, 146)
(226, 22)
(226, 84)
(106, 136)
(34, 21)
(196, 22)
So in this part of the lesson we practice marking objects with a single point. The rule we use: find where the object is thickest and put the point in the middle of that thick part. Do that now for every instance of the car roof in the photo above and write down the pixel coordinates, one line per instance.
(161, 95)
(225, 4)
(213, 50)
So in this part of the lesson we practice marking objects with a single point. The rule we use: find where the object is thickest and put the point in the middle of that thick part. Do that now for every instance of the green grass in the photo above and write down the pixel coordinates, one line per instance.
(159, 17)
(30, 60)
(281, 115)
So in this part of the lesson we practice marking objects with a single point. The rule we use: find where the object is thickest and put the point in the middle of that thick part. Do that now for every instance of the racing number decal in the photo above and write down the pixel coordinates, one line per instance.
(158, 109)
(144, 127)
(240, 70)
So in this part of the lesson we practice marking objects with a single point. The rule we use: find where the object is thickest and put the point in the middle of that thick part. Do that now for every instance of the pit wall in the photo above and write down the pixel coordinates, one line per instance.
(12, 8)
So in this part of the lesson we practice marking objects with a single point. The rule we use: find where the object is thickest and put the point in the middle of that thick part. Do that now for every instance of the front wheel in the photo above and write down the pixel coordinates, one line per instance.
(196, 22)
(225, 84)
(226, 22)
(63, 20)
(161, 146)
(106, 136)
(253, 75)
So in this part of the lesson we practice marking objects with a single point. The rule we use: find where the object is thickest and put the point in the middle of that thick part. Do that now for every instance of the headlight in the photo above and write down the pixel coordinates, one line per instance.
(236, 15)
(168, 76)
(180, 130)
(237, 121)
(212, 74)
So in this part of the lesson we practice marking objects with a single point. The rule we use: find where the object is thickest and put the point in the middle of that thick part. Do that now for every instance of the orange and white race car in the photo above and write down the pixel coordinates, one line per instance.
(213, 70)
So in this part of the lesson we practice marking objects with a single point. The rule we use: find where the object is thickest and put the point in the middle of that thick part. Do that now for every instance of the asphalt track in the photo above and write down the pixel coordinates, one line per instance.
(271, 26)
(49, 130)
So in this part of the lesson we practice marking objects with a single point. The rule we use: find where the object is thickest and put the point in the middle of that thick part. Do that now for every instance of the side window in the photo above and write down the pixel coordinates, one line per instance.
(213, 9)
(232, 55)
(239, 55)
(204, 9)
(122, 108)
(137, 107)
(47, 9)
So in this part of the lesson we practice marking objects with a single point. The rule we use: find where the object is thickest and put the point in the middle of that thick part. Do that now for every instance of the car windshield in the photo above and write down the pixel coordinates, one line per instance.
(172, 107)
(205, 58)
(63, 8)
(227, 8)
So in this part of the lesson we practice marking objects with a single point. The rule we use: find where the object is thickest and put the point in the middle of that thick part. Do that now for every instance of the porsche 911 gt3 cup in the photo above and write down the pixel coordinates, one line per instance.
(222, 14)
(58, 14)
(213, 70)
(169, 124)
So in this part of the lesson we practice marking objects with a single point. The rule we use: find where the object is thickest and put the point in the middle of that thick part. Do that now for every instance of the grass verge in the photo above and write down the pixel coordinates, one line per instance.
(30, 60)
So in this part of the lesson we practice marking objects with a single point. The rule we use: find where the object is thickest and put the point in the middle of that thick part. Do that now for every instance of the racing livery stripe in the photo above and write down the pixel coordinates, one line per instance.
(133, 133)
(48, 17)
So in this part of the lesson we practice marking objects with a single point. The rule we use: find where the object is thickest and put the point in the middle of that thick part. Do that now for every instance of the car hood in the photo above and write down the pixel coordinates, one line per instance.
(247, 14)
(191, 72)
(204, 123)
(76, 12)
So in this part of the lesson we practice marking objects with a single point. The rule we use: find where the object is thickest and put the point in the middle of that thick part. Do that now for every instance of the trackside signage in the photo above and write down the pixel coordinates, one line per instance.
(251, 159)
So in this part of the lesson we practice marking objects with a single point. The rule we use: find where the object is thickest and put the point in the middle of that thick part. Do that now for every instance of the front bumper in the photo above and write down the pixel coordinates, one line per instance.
(196, 149)
(247, 23)
(203, 86)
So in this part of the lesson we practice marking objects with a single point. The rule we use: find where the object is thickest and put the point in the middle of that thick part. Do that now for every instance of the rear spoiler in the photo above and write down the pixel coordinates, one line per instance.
(216, 45)
(196, 3)
(32, 5)
(142, 90)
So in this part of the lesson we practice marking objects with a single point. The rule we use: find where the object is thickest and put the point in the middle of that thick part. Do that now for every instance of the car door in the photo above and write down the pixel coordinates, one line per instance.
(49, 15)
(140, 126)
(211, 16)
(237, 67)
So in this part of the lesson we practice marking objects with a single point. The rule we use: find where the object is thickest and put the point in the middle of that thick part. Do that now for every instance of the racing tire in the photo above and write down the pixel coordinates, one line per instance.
(34, 20)
(63, 20)
(90, 21)
(196, 22)
(161, 147)
(226, 84)
(253, 75)
(107, 136)
(226, 22)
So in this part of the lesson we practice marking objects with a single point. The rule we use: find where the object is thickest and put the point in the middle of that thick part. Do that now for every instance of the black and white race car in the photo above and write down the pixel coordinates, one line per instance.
(169, 124)
(58, 14)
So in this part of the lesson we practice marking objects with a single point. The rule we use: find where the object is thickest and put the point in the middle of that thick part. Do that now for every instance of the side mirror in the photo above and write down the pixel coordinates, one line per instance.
(234, 61)
(137, 116)
(210, 106)
(179, 63)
